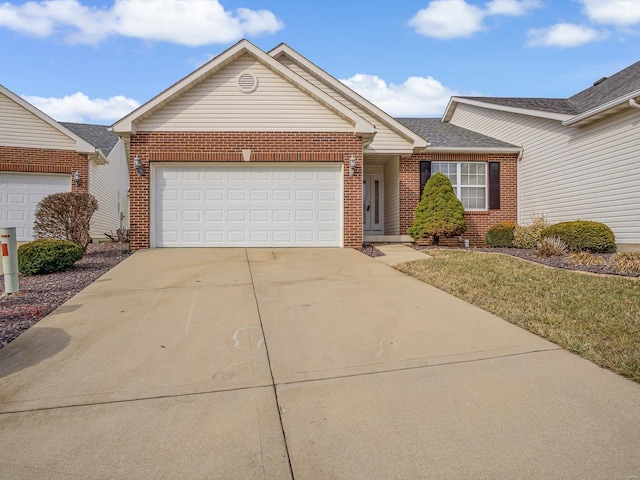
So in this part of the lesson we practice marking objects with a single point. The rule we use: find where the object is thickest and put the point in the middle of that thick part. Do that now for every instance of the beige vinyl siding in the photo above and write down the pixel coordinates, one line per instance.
(217, 104)
(386, 139)
(21, 128)
(392, 197)
(109, 183)
(569, 173)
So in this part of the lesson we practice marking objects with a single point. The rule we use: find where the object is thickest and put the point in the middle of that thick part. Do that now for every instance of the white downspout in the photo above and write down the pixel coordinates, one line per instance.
(518, 205)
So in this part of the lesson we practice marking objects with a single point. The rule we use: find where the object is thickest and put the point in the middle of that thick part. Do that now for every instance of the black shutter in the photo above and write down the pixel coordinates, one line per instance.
(494, 185)
(425, 174)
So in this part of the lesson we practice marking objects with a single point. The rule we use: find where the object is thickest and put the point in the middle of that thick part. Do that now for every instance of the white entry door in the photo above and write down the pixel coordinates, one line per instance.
(20, 194)
(285, 205)
(372, 195)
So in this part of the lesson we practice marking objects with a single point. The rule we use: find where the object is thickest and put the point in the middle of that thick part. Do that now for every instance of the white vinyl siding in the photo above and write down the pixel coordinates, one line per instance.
(386, 139)
(216, 205)
(392, 197)
(569, 173)
(21, 128)
(20, 194)
(217, 104)
(469, 181)
(109, 183)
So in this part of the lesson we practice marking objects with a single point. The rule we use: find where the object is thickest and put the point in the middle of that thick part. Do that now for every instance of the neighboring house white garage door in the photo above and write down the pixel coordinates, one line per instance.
(20, 194)
(285, 205)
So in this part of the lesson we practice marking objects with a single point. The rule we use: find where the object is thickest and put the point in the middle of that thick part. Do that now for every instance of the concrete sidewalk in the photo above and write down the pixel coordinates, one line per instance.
(299, 363)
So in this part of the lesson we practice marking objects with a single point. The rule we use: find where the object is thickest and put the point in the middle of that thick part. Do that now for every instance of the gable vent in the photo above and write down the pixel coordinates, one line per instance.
(247, 82)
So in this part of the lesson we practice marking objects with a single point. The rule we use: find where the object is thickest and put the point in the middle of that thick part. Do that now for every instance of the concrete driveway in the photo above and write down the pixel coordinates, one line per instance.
(299, 363)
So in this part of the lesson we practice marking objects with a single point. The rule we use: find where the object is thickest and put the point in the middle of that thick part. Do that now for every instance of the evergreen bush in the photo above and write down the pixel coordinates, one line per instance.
(583, 235)
(500, 235)
(47, 256)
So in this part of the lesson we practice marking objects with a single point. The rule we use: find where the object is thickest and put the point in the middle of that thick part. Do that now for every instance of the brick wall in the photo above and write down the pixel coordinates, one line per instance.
(478, 223)
(155, 147)
(39, 160)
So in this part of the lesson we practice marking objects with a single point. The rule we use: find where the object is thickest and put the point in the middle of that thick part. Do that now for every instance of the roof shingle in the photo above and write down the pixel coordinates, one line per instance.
(97, 135)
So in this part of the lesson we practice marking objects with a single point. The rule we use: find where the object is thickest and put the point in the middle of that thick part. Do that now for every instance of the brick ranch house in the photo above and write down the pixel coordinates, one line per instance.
(265, 149)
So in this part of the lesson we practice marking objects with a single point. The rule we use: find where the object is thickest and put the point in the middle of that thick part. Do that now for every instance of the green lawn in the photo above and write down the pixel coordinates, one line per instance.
(597, 317)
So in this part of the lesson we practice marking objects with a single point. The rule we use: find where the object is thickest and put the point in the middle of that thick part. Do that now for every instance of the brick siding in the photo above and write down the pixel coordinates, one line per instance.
(478, 223)
(156, 147)
(40, 160)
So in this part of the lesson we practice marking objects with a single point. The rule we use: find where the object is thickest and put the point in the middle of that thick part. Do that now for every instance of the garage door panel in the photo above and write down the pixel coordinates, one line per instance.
(20, 196)
(248, 205)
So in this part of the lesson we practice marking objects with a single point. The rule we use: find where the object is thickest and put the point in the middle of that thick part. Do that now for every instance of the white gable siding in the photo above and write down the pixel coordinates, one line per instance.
(217, 104)
(21, 128)
(590, 173)
(386, 139)
(110, 185)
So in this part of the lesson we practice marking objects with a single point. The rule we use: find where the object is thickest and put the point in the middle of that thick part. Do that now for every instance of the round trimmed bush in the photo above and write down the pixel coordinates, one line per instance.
(47, 256)
(500, 235)
(583, 236)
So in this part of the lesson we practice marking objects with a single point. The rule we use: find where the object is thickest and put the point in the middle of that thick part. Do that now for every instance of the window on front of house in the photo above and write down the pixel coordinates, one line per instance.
(469, 180)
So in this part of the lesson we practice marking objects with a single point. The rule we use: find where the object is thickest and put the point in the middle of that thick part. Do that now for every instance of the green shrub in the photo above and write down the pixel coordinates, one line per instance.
(439, 212)
(583, 235)
(528, 236)
(47, 256)
(500, 235)
(551, 247)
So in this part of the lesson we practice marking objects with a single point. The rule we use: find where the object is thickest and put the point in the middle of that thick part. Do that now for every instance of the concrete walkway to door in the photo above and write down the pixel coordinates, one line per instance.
(299, 363)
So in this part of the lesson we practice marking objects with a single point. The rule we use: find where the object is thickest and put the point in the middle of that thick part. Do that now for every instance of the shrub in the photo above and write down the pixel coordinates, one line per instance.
(500, 235)
(626, 263)
(528, 236)
(65, 216)
(439, 212)
(585, 258)
(551, 247)
(47, 256)
(583, 235)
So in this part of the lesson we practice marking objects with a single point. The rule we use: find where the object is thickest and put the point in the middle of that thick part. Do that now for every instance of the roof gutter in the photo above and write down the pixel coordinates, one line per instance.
(437, 149)
(603, 108)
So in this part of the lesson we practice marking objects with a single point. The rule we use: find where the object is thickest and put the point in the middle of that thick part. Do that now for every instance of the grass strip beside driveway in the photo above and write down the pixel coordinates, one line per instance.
(596, 317)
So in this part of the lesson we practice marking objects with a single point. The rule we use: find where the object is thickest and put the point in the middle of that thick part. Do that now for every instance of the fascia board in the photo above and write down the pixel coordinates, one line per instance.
(578, 119)
(284, 49)
(473, 150)
(127, 124)
(503, 108)
(82, 146)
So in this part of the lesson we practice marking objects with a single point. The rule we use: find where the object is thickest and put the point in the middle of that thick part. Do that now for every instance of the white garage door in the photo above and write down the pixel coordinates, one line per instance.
(20, 193)
(248, 205)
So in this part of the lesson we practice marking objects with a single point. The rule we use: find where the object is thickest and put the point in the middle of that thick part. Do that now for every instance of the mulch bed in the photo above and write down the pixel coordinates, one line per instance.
(39, 295)
(371, 251)
(557, 262)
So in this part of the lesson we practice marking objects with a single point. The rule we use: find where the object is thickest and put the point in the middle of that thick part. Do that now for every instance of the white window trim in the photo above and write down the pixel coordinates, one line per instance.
(458, 186)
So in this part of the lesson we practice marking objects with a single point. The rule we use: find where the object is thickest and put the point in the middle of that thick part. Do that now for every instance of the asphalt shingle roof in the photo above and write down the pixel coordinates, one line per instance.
(97, 135)
(616, 86)
(440, 134)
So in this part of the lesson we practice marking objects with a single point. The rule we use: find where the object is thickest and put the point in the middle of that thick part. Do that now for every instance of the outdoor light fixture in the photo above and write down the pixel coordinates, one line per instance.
(137, 165)
(77, 179)
(352, 166)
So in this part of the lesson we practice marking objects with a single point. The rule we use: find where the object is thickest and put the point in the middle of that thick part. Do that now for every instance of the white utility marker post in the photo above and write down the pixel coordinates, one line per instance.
(9, 259)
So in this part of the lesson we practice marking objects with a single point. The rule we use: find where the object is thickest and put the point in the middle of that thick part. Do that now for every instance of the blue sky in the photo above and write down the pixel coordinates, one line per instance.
(94, 61)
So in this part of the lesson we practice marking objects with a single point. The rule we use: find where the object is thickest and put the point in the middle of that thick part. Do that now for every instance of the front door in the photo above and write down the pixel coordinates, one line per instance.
(372, 195)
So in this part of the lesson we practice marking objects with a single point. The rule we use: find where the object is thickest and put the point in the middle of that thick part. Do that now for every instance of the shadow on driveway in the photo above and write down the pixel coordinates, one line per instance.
(31, 348)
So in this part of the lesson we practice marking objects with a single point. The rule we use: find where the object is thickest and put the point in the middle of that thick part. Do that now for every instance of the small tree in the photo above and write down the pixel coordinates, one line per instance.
(65, 216)
(439, 212)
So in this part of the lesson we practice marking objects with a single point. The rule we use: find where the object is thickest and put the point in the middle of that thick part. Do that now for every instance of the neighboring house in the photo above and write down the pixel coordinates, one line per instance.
(109, 182)
(38, 157)
(265, 149)
(581, 155)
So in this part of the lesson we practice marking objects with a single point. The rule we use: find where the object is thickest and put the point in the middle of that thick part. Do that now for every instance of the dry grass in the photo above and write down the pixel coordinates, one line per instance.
(596, 317)
(626, 262)
(586, 258)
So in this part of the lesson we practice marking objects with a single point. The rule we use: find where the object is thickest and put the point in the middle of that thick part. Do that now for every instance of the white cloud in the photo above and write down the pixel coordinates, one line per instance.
(416, 96)
(513, 8)
(191, 23)
(563, 35)
(619, 13)
(78, 107)
(447, 19)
